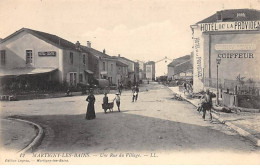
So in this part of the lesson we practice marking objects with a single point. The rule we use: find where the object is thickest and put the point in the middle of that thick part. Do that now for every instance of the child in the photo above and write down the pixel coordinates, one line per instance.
(117, 98)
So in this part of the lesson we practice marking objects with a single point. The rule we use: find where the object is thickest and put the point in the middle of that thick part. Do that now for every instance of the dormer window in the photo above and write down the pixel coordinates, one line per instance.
(241, 15)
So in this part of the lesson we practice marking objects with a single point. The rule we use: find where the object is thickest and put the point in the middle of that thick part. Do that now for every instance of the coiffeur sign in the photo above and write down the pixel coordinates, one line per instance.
(230, 26)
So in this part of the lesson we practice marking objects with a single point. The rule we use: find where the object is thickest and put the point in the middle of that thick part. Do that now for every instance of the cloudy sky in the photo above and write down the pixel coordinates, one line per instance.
(137, 29)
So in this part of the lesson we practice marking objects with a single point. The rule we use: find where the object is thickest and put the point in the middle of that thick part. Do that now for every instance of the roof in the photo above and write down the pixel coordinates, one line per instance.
(24, 71)
(95, 52)
(125, 59)
(230, 15)
(165, 58)
(50, 38)
(121, 63)
(179, 60)
(183, 67)
(150, 62)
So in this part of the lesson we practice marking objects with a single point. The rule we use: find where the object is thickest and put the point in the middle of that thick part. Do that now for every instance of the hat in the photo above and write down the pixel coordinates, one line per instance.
(117, 93)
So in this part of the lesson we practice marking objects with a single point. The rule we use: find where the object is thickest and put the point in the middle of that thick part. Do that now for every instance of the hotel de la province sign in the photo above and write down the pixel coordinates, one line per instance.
(230, 26)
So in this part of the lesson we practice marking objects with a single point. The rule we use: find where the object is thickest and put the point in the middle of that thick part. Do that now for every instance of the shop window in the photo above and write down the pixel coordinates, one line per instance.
(29, 56)
(72, 78)
(71, 57)
(2, 57)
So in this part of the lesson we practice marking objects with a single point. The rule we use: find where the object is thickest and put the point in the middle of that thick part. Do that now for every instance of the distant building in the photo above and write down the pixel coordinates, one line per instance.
(107, 65)
(141, 70)
(161, 67)
(133, 69)
(180, 67)
(122, 73)
(233, 36)
(150, 70)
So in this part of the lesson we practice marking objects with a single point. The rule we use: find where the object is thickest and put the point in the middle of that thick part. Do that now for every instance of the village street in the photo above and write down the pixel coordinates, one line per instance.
(154, 123)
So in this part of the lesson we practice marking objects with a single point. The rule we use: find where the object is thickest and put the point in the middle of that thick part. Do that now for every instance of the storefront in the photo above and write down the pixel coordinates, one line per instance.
(230, 41)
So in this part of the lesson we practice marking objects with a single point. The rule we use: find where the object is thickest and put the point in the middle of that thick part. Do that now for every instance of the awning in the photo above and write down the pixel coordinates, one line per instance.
(24, 71)
(89, 72)
(103, 72)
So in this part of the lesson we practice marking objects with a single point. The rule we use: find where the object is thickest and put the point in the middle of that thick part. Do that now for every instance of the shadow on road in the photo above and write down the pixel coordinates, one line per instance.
(130, 132)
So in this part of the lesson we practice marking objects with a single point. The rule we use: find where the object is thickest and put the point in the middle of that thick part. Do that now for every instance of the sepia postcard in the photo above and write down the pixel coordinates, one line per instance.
(130, 82)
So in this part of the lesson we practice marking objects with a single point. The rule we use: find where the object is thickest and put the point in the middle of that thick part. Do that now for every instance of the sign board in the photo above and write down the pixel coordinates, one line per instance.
(230, 26)
(47, 53)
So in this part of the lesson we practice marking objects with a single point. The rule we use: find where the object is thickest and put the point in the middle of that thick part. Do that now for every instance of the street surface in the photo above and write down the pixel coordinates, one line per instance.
(154, 123)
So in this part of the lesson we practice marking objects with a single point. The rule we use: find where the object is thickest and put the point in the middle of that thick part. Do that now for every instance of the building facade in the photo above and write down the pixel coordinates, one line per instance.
(150, 70)
(230, 38)
(37, 57)
(133, 69)
(180, 67)
(161, 67)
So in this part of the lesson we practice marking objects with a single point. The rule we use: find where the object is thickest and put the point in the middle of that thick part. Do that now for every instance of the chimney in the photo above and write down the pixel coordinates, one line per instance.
(104, 51)
(88, 44)
(77, 45)
(118, 55)
(219, 16)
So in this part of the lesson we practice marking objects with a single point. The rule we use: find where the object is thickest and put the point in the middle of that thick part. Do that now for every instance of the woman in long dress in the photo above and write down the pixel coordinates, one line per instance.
(91, 108)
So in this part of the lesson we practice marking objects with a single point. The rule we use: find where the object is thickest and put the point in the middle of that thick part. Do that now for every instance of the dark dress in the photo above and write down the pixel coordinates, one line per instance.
(91, 109)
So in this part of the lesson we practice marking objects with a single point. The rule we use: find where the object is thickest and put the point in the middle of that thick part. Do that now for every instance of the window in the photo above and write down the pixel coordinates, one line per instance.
(71, 79)
(80, 77)
(29, 56)
(104, 66)
(2, 57)
(84, 59)
(75, 79)
(111, 67)
(71, 57)
(241, 15)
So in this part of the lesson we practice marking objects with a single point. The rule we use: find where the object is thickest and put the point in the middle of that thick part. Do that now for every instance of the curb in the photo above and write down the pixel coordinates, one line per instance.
(239, 130)
(36, 141)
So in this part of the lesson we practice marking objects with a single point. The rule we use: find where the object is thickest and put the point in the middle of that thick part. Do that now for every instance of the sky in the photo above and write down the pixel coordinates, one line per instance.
(146, 30)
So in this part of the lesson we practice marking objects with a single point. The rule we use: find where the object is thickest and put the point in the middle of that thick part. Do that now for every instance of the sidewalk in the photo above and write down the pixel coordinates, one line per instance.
(245, 123)
(16, 135)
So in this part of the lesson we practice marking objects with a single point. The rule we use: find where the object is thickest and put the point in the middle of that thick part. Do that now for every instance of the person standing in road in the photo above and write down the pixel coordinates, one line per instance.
(91, 108)
(117, 99)
(105, 101)
(207, 104)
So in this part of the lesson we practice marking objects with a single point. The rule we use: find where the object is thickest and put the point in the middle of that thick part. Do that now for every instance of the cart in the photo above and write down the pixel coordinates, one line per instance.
(107, 106)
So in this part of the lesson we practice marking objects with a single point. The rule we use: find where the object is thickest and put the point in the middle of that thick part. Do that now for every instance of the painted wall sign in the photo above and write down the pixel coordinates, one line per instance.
(236, 55)
(235, 47)
(230, 26)
(198, 57)
(47, 53)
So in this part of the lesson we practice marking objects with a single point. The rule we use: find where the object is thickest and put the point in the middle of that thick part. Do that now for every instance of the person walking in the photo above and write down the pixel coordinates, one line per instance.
(105, 102)
(137, 91)
(207, 104)
(117, 99)
(91, 108)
